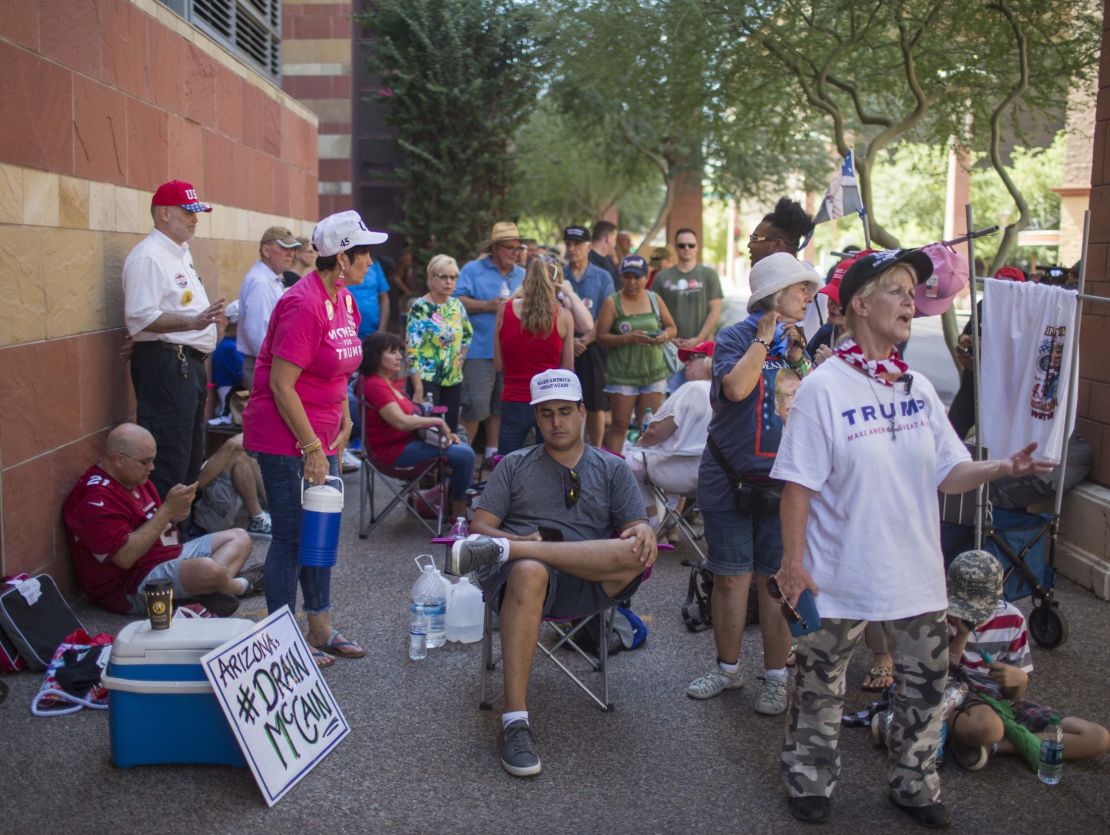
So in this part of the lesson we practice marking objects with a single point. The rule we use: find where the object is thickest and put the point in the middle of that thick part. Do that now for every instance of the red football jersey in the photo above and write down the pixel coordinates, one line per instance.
(100, 515)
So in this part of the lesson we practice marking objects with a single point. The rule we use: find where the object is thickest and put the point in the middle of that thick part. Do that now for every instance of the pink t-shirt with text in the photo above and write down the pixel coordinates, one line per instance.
(320, 337)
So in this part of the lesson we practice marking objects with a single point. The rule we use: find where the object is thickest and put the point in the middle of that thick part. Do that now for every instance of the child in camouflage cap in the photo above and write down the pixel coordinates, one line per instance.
(989, 649)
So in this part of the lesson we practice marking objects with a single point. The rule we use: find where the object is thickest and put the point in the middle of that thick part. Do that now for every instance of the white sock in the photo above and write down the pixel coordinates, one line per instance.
(777, 675)
(731, 669)
(491, 451)
(513, 716)
(244, 585)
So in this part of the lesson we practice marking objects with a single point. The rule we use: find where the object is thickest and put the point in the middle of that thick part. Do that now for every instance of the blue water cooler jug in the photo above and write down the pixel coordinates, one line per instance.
(321, 510)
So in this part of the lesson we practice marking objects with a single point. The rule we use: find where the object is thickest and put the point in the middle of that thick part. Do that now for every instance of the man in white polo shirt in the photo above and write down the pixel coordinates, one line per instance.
(262, 287)
(168, 316)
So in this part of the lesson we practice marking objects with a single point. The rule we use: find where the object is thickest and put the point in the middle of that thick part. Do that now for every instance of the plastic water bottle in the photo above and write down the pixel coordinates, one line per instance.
(954, 695)
(460, 530)
(429, 404)
(647, 421)
(505, 291)
(1051, 765)
(430, 591)
(418, 632)
(464, 616)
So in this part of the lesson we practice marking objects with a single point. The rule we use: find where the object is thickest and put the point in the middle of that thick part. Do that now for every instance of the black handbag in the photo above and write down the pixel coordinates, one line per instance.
(35, 628)
(750, 500)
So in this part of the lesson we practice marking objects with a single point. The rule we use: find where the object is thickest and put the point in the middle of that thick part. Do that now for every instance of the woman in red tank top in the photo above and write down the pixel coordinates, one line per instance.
(533, 333)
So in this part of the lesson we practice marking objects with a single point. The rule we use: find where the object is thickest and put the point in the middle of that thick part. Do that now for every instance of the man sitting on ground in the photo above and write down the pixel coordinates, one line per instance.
(989, 649)
(122, 536)
(582, 495)
(230, 479)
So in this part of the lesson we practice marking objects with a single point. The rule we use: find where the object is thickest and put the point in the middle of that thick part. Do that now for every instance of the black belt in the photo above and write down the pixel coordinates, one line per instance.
(180, 350)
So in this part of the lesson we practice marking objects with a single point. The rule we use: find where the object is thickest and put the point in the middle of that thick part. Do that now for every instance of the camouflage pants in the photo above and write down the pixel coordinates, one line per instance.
(810, 760)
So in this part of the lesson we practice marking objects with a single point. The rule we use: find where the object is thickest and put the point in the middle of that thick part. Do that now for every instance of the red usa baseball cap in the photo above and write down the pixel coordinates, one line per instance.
(179, 193)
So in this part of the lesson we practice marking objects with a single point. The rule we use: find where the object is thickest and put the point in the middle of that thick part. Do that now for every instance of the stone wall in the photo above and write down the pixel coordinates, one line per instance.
(102, 101)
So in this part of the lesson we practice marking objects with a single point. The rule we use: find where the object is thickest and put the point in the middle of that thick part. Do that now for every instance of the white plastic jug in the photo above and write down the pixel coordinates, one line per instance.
(464, 618)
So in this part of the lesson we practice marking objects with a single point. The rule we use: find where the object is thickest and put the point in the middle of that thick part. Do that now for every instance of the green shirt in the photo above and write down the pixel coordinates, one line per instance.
(687, 296)
(633, 364)
(436, 334)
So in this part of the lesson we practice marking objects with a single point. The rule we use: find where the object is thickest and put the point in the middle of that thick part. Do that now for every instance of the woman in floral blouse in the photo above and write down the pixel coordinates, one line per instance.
(438, 336)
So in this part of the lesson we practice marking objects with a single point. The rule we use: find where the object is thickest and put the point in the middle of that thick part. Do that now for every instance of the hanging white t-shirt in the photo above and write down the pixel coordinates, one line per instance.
(689, 408)
(1028, 331)
(872, 542)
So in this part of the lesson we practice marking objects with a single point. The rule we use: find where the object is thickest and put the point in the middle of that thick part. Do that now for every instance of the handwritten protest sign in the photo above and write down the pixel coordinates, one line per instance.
(280, 709)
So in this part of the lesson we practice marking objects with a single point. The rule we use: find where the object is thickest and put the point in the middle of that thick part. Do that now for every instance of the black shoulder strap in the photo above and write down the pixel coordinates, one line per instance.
(719, 457)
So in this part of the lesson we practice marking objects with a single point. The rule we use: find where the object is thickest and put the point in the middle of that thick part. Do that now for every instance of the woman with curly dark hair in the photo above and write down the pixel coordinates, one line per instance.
(782, 230)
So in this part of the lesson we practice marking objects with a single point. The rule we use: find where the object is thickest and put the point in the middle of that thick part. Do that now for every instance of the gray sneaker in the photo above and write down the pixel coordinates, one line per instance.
(714, 682)
(518, 750)
(772, 698)
(476, 551)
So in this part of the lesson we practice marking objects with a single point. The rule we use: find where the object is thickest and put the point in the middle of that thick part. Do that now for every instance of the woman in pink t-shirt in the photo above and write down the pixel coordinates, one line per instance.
(392, 422)
(298, 421)
(533, 333)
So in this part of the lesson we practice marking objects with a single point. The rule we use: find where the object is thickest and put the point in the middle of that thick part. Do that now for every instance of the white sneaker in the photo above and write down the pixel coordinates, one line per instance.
(261, 525)
(714, 682)
(772, 698)
(351, 462)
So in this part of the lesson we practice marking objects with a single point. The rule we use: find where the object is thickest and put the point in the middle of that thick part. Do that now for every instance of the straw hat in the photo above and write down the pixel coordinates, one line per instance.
(502, 231)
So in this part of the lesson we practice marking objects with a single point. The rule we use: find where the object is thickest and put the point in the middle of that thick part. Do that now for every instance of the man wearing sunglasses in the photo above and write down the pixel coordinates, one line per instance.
(691, 291)
(561, 489)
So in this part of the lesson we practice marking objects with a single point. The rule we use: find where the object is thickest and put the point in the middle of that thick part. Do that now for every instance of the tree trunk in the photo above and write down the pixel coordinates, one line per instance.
(669, 179)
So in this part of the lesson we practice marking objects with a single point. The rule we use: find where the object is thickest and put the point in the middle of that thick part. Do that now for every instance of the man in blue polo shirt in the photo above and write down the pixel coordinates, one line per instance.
(593, 285)
(484, 285)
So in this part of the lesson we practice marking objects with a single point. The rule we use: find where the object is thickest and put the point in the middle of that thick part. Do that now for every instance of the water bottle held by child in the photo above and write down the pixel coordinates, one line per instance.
(1051, 766)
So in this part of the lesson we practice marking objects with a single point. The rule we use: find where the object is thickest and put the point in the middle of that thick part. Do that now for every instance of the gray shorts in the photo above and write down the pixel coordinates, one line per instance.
(567, 596)
(481, 391)
(171, 570)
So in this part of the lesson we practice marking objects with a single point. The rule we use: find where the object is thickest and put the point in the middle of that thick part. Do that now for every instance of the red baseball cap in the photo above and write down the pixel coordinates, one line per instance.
(701, 348)
(832, 289)
(179, 193)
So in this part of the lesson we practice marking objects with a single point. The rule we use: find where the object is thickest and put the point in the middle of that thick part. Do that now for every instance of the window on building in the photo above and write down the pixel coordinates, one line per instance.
(249, 28)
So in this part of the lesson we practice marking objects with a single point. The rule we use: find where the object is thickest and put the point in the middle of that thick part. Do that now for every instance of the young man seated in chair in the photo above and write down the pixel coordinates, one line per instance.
(560, 489)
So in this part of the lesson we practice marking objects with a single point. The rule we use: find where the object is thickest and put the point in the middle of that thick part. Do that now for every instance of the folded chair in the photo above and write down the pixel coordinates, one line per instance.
(671, 518)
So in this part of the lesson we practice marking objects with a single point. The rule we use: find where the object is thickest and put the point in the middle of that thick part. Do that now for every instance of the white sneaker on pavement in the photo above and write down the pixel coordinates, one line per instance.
(714, 682)
(772, 698)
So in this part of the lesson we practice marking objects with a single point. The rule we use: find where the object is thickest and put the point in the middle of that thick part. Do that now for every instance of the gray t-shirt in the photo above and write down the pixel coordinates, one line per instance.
(528, 489)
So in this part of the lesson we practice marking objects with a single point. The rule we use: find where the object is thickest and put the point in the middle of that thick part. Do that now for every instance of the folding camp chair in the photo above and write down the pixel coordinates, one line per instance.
(671, 518)
(408, 494)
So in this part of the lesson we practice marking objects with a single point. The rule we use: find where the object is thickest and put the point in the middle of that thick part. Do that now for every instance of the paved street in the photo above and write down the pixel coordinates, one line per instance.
(420, 755)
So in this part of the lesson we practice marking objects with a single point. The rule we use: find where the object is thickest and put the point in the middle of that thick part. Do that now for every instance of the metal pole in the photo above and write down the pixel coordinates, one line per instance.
(976, 369)
(866, 228)
(1073, 371)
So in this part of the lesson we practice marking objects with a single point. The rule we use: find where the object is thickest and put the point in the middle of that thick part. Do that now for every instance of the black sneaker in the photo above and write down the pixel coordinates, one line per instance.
(220, 604)
(810, 808)
(931, 816)
(476, 551)
(518, 750)
(255, 581)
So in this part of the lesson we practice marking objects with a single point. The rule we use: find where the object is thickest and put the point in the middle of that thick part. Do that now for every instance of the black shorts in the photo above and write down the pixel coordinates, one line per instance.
(567, 596)
(590, 368)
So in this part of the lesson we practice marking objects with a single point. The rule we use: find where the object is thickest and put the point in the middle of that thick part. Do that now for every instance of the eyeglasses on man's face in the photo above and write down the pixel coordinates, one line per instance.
(511, 248)
(685, 246)
(146, 462)
(758, 239)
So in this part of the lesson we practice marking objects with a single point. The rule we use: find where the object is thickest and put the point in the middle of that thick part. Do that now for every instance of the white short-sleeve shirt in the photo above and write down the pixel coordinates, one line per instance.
(159, 277)
(872, 542)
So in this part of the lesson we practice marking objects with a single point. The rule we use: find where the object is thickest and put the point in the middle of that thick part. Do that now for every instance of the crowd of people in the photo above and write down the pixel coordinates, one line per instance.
(814, 464)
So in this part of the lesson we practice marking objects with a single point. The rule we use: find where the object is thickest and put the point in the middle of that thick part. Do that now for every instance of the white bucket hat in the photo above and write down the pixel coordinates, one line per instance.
(777, 272)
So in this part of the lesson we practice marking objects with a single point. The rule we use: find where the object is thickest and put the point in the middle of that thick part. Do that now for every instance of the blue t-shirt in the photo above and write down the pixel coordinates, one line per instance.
(227, 364)
(482, 280)
(366, 297)
(746, 431)
(594, 286)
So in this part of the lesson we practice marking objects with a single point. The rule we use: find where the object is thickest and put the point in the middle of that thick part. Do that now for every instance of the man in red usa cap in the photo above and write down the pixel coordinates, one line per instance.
(173, 325)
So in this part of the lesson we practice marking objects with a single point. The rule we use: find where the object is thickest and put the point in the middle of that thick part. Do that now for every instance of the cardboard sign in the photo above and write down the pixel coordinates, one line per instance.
(280, 709)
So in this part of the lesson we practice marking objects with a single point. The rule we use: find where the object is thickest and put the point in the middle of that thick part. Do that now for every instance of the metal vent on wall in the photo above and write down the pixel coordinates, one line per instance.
(249, 28)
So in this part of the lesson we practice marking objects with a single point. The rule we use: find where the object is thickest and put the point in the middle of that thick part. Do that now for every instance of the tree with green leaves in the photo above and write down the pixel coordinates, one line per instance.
(457, 78)
(881, 72)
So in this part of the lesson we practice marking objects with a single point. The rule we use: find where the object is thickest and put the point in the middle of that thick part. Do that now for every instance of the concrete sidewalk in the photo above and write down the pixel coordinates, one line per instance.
(421, 755)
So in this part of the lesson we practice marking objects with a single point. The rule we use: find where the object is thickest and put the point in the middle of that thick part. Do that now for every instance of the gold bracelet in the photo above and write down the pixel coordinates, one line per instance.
(312, 446)
(348, 422)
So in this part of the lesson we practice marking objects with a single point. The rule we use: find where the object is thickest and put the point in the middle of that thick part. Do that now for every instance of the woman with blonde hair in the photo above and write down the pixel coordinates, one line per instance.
(437, 337)
(533, 333)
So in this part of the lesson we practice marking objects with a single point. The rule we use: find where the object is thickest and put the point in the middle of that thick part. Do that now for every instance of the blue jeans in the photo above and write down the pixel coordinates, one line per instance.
(460, 458)
(517, 420)
(737, 544)
(281, 474)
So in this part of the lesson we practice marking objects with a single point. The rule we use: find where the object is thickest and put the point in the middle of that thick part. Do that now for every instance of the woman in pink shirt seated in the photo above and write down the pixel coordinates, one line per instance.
(533, 333)
(298, 422)
(392, 422)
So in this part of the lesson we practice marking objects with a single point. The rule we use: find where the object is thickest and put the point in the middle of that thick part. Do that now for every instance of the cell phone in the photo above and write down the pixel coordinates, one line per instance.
(655, 334)
(550, 534)
(807, 608)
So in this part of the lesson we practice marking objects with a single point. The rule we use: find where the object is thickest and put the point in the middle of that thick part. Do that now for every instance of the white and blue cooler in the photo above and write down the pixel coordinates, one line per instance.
(161, 706)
